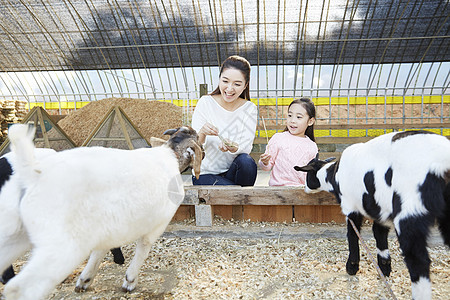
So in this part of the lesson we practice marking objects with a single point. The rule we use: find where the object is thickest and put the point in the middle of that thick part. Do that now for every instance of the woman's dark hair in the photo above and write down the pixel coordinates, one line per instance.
(241, 64)
(308, 105)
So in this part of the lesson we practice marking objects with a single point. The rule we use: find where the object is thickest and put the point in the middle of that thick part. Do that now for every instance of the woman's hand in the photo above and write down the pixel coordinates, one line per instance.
(265, 158)
(207, 129)
(227, 145)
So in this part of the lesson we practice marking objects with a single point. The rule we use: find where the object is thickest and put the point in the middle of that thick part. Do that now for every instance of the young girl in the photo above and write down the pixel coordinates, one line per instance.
(226, 123)
(294, 147)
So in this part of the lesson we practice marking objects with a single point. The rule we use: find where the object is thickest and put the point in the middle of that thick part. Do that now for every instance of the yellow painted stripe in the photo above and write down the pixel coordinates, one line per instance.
(359, 100)
(286, 101)
(353, 132)
(57, 105)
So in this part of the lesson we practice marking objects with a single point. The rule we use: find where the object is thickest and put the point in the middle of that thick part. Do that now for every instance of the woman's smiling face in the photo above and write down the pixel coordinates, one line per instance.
(231, 84)
(298, 120)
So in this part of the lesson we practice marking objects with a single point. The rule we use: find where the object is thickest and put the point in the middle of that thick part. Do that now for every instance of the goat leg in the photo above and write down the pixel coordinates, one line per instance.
(381, 232)
(352, 265)
(118, 256)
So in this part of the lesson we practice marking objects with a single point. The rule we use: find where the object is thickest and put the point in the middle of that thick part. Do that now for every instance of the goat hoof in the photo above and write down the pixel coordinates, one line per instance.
(352, 267)
(82, 285)
(127, 289)
(79, 289)
(4, 280)
(385, 267)
(128, 286)
(120, 260)
(7, 275)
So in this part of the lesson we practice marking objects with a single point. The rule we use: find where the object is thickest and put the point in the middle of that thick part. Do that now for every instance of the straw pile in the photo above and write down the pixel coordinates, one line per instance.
(12, 111)
(151, 118)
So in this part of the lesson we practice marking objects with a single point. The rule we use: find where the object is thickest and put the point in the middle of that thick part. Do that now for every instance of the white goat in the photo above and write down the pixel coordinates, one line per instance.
(87, 200)
(402, 178)
(11, 191)
(11, 229)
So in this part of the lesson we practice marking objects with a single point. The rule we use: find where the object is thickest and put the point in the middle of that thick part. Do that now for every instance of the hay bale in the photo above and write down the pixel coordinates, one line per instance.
(151, 118)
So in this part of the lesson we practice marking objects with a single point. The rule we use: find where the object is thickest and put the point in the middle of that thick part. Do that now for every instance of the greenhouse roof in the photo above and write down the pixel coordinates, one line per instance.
(48, 35)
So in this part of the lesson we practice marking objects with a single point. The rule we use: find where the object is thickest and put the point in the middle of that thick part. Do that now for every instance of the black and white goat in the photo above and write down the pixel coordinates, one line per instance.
(11, 190)
(400, 178)
(87, 200)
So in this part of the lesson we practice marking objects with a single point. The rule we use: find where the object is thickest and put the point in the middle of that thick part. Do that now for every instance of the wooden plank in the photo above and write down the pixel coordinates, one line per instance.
(260, 195)
(318, 214)
(184, 212)
(322, 155)
(228, 212)
(266, 204)
(190, 195)
(365, 126)
(237, 212)
(223, 211)
(342, 140)
(268, 213)
(326, 140)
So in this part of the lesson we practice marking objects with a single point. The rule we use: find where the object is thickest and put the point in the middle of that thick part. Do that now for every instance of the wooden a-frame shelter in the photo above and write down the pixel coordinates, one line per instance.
(48, 133)
(116, 130)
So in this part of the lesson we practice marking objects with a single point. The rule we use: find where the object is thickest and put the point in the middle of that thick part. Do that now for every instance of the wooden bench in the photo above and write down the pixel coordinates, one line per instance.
(258, 203)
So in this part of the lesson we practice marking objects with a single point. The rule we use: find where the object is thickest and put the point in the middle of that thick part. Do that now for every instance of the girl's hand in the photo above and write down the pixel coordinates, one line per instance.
(265, 158)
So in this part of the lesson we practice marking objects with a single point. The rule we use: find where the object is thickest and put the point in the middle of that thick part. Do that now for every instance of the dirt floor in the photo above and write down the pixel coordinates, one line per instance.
(248, 260)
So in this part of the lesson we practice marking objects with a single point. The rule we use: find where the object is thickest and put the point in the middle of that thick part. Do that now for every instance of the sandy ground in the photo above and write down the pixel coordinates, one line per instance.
(247, 260)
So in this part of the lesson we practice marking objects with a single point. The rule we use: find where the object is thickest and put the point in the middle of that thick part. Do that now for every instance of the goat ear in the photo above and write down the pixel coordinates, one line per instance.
(197, 159)
(170, 131)
(304, 168)
(329, 159)
(156, 142)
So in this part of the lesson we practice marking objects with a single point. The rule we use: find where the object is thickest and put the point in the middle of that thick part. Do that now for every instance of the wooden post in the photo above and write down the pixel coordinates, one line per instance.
(203, 89)
(124, 128)
(43, 129)
(203, 215)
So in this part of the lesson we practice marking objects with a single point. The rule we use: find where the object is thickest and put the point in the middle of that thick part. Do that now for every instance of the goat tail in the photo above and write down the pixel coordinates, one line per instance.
(21, 137)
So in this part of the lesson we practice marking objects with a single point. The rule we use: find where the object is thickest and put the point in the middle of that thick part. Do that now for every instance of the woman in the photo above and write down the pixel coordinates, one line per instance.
(226, 123)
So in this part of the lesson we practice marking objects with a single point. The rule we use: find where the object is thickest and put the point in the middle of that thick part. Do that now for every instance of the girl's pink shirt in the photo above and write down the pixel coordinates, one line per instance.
(287, 151)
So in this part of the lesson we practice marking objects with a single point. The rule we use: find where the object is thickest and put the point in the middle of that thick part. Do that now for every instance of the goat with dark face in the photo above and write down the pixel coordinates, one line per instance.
(400, 178)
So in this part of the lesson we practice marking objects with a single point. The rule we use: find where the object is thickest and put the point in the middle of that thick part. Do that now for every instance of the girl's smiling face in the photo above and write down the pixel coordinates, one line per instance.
(231, 84)
(298, 120)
